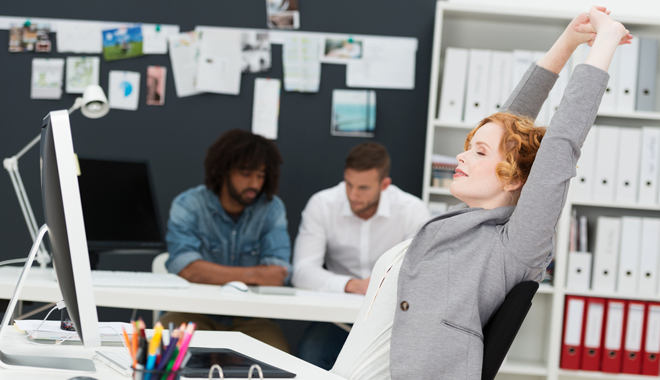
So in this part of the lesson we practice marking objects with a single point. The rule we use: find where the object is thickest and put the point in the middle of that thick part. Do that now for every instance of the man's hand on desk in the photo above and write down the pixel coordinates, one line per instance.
(269, 275)
(205, 272)
(357, 286)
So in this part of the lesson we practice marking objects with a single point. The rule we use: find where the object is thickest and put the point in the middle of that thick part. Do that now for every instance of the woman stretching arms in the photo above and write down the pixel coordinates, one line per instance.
(430, 297)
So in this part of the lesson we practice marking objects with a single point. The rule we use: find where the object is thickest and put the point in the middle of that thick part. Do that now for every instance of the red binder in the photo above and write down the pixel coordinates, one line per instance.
(593, 333)
(634, 334)
(615, 320)
(651, 352)
(572, 340)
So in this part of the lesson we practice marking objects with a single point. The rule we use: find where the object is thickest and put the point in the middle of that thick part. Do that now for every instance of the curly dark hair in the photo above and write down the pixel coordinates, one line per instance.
(243, 150)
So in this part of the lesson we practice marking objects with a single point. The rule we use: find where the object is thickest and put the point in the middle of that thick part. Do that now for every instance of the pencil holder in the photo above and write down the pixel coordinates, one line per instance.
(143, 374)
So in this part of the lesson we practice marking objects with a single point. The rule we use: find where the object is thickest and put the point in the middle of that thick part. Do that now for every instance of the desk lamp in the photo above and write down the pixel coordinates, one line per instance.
(93, 104)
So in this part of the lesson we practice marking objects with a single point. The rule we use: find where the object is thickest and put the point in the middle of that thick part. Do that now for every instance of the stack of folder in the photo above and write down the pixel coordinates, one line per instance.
(611, 335)
(619, 165)
(625, 261)
(477, 82)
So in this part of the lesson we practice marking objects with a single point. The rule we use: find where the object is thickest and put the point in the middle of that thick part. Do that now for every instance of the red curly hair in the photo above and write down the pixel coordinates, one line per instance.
(520, 142)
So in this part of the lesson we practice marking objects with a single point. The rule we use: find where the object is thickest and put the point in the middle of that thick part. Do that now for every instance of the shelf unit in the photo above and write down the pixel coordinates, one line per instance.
(535, 353)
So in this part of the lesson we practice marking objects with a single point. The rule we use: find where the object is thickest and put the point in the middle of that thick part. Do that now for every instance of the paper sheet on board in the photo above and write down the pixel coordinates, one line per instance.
(124, 90)
(154, 37)
(79, 37)
(302, 68)
(47, 77)
(266, 107)
(219, 63)
(81, 72)
(184, 52)
(387, 63)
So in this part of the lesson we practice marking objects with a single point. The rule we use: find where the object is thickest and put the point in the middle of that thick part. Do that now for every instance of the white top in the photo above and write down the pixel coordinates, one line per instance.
(331, 233)
(366, 353)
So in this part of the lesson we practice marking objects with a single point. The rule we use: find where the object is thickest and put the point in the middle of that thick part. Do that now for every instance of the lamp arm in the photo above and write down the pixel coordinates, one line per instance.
(76, 105)
(11, 165)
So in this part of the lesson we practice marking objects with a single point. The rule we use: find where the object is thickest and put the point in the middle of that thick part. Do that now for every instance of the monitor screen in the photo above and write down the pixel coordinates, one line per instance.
(66, 227)
(119, 205)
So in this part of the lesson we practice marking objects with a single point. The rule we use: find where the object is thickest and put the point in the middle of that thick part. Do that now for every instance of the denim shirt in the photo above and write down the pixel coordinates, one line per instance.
(200, 229)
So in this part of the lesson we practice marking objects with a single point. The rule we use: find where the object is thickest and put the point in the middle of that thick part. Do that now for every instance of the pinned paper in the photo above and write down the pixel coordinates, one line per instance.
(219, 64)
(81, 72)
(353, 113)
(154, 38)
(156, 78)
(387, 63)
(121, 43)
(79, 37)
(184, 52)
(302, 68)
(341, 50)
(266, 108)
(283, 14)
(47, 77)
(124, 90)
(255, 52)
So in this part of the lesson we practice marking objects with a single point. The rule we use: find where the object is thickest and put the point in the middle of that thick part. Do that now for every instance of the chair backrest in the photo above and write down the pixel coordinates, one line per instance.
(503, 326)
(158, 264)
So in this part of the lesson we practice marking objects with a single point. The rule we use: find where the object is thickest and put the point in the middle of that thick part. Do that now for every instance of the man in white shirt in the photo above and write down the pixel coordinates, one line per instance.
(343, 232)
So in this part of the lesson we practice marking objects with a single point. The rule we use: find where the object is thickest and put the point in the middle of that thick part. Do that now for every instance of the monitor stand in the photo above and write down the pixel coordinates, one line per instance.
(30, 361)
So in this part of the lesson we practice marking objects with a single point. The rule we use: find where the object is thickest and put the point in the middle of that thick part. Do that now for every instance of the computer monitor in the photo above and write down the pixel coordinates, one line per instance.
(68, 244)
(119, 206)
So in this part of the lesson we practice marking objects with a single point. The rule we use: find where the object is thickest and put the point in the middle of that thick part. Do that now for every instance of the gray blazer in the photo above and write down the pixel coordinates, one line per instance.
(461, 265)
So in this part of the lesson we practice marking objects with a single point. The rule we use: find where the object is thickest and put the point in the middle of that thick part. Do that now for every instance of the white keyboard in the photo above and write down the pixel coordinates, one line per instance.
(119, 361)
(137, 279)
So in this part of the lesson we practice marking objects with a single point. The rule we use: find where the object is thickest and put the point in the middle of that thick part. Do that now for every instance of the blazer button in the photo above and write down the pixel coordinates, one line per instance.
(405, 305)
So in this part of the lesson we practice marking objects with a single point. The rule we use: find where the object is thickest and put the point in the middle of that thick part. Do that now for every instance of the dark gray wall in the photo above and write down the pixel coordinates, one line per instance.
(174, 138)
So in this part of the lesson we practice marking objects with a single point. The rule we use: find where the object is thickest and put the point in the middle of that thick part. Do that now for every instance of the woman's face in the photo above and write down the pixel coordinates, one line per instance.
(475, 180)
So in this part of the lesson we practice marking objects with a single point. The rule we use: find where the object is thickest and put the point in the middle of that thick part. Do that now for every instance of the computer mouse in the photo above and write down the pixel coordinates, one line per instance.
(235, 286)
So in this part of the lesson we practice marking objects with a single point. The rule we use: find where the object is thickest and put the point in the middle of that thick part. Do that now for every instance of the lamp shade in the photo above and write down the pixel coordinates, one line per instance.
(94, 102)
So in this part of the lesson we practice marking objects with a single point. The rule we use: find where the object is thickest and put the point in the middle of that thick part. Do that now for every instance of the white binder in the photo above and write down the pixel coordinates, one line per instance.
(500, 80)
(629, 255)
(521, 61)
(607, 157)
(627, 178)
(452, 94)
(628, 66)
(647, 75)
(582, 187)
(608, 103)
(606, 254)
(648, 166)
(579, 271)
(476, 97)
(648, 261)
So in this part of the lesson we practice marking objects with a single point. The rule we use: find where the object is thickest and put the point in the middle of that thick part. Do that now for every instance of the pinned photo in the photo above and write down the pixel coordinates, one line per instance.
(156, 77)
(353, 113)
(342, 50)
(124, 90)
(255, 52)
(122, 43)
(283, 14)
(29, 37)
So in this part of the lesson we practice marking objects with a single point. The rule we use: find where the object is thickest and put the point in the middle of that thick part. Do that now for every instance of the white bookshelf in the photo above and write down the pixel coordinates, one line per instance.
(535, 353)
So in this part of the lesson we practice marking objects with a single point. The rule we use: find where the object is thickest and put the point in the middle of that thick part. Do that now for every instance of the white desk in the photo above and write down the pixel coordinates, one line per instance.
(17, 343)
(207, 299)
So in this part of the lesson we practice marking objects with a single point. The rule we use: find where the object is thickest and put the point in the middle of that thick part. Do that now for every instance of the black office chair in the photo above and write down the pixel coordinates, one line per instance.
(503, 326)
